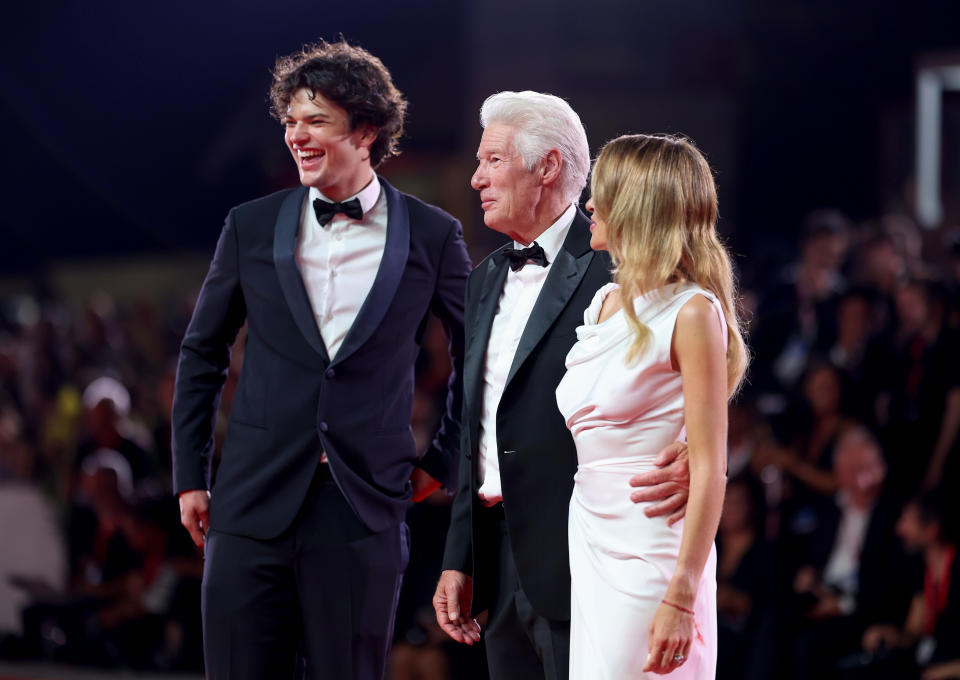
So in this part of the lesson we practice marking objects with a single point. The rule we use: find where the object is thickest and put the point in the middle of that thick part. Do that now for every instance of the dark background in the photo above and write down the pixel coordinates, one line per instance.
(133, 127)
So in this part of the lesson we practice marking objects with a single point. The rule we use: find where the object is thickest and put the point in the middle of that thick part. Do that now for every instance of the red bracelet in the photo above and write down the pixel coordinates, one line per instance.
(676, 606)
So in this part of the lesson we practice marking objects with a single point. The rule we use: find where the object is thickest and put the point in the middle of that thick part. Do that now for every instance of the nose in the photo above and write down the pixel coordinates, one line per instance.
(589, 205)
(479, 179)
(297, 134)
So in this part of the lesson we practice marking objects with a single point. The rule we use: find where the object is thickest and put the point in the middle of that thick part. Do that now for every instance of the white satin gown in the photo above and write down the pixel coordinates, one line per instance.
(621, 561)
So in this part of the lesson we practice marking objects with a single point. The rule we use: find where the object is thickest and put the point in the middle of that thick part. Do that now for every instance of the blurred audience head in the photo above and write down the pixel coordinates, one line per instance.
(905, 235)
(17, 459)
(859, 465)
(822, 388)
(854, 319)
(825, 237)
(921, 303)
(106, 401)
(926, 521)
(107, 481)
(109, 389)
(880, 265)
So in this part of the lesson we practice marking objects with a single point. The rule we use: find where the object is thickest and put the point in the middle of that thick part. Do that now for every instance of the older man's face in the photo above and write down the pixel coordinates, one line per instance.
(859, 467)
(509, 193)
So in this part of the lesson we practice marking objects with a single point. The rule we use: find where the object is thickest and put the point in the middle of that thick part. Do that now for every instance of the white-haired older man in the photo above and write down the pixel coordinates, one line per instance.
(506, 548)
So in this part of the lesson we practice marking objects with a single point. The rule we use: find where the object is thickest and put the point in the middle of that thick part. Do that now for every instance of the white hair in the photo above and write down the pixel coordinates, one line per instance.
(543, 122)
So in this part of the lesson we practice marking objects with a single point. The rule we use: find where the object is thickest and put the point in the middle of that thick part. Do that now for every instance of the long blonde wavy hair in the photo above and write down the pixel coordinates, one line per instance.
(657, 198)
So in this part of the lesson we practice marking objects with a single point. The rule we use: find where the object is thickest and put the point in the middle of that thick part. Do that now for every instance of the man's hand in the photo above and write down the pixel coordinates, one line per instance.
(423, 484)
(669, 484)
(879, 636)
(452, 603)
(195, 514)
(828, 606)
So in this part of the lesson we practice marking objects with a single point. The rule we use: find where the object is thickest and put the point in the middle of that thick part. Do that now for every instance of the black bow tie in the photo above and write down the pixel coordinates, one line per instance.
(326, 210)
(519, 257)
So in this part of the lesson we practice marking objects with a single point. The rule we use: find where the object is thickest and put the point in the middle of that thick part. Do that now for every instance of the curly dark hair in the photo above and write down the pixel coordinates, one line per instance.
(350, 77)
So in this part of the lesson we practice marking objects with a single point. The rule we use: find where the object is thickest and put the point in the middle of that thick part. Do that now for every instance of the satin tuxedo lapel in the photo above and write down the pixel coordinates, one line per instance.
(480, 325)
(285, 262)
(565, 274)
(385, 285)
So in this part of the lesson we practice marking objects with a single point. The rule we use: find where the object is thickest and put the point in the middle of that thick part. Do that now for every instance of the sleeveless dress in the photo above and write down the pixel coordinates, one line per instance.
(621, 561)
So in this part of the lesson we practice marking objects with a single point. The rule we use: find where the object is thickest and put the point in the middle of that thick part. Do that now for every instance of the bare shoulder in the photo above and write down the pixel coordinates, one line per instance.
(698, 313)
(698, 331)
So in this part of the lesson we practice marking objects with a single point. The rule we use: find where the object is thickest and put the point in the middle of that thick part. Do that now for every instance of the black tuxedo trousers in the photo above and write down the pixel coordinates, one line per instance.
(325, 591)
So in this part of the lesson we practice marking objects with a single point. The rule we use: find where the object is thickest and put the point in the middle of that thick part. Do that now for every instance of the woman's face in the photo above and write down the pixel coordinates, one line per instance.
(598, 229)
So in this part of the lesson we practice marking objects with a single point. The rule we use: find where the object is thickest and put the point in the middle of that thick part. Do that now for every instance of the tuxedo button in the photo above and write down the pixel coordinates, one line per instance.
(323, 426)
(330, 373)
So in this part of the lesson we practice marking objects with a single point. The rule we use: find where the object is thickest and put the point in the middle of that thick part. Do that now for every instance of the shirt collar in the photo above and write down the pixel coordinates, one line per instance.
(367, 196)
(552, 239)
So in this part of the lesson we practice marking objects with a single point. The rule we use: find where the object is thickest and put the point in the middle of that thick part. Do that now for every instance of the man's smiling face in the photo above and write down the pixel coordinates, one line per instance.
(329, 155)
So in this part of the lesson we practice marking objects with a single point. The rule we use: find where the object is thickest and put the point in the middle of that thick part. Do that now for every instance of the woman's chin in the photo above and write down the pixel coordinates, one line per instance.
(597, 244)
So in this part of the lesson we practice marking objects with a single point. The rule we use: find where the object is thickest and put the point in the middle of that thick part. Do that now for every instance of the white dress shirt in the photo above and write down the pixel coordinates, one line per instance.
(519, 294)
(842, 570)
(339, 262)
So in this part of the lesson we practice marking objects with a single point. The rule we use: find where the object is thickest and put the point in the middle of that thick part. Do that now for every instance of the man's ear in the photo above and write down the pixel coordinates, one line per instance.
(366, 135)
(550, 167)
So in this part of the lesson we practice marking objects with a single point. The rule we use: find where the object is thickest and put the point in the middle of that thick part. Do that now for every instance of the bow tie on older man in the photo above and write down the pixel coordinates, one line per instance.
(325, 210)
(520, 257)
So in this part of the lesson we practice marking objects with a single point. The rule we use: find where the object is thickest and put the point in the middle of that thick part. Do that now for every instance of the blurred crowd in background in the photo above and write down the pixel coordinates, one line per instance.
(838, 536)
(837, 542)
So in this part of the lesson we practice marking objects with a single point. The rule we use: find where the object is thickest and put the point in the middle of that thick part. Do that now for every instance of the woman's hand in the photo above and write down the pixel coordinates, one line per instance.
(671, 634)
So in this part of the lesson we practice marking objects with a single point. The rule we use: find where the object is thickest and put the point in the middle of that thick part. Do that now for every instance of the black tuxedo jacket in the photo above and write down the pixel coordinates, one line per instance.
(292, 403)
(537, 455)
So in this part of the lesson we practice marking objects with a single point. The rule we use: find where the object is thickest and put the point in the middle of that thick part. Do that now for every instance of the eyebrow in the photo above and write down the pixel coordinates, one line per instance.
(311, 116)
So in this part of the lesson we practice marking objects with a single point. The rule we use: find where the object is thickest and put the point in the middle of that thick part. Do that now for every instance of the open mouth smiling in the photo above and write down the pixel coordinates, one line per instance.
(309, 158)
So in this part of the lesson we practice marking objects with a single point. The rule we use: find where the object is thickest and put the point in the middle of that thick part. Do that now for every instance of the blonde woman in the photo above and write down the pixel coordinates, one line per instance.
(660, 352)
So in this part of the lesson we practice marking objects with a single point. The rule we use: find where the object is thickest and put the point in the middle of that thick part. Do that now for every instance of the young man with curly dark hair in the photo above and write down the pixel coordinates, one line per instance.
(303, 527)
